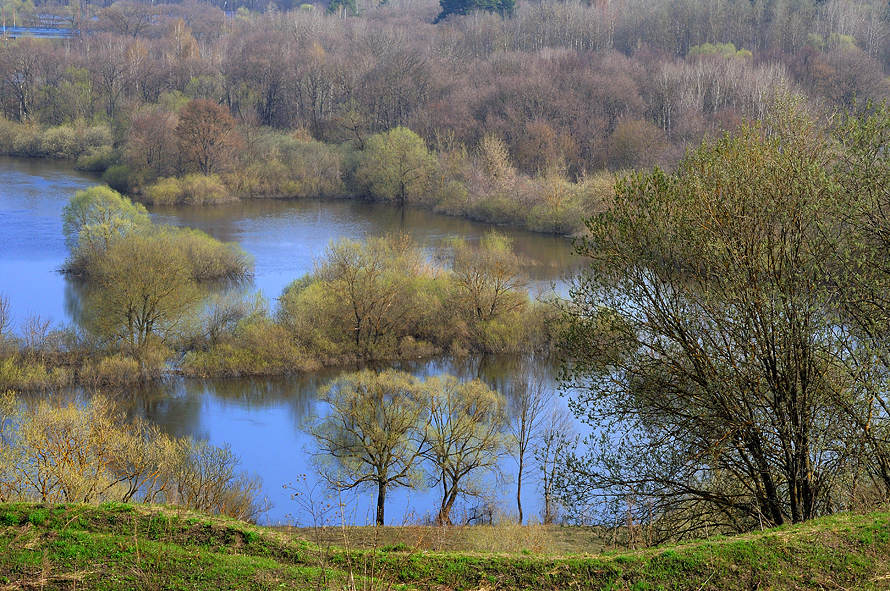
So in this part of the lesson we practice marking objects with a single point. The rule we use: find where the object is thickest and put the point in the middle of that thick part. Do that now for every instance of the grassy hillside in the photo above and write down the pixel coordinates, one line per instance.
(142, 547)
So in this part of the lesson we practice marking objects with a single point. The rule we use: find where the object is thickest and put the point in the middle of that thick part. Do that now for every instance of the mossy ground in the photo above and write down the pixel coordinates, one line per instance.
(117, 546)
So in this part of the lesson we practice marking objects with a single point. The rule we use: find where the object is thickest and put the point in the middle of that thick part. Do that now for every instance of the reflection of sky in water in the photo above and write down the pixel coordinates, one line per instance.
(259, 418)
(284, 236)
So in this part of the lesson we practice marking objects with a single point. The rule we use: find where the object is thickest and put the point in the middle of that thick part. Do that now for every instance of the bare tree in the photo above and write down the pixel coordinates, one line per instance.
(558, 436)
(530, 397)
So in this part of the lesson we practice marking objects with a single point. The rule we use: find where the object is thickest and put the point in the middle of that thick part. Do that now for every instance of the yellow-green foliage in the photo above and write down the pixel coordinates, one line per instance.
(382, 300)
(64, 142)
(362, 298)
(86, 451)
(208, 258)
(291, 166)
(257, 346)
(17, 373)
(116, 370)
(192, 189)
(99, 218)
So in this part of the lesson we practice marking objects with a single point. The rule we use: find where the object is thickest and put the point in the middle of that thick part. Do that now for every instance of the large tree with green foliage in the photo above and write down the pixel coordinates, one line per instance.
(372, 434)
(709, 344)
(95, 219)
(395, 165)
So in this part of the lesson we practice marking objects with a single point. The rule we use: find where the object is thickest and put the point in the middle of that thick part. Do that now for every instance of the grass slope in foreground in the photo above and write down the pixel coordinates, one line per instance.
(119, 546)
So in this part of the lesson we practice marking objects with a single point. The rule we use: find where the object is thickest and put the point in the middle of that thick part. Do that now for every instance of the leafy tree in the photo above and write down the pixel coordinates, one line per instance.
(705, 338)
(450, 7)
(95, 219)
(372, 434)
(489, 278)
(373, 293)
(395, 165)
(467, 435)
(140, 291)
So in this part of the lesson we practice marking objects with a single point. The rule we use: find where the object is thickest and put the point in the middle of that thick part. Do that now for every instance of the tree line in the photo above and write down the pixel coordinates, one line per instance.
(292, 100)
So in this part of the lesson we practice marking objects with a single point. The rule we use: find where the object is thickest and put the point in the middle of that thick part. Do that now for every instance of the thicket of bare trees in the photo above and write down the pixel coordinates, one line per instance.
(569, 89)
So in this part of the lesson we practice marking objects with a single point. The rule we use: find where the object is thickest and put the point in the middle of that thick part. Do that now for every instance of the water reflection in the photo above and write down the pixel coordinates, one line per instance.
(259, 418)
(262, 419)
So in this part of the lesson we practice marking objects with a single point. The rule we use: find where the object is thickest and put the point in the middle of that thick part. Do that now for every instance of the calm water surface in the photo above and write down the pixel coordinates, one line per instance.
(259, 419)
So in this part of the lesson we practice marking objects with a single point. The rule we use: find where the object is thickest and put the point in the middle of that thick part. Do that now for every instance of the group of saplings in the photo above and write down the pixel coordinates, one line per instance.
(76, 451)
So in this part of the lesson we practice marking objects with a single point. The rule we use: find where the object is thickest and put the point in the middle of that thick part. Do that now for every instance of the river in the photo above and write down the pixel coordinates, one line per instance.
(259, 419)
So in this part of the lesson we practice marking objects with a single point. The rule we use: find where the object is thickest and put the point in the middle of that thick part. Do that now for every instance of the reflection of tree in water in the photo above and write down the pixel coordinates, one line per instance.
(166, 405)
(74, 297)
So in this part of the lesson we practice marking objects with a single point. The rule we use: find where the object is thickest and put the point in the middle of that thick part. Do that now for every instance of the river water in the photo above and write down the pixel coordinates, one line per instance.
(259, 419)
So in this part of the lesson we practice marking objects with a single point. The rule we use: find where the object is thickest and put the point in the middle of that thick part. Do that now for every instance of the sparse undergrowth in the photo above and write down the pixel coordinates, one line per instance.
(116, 546)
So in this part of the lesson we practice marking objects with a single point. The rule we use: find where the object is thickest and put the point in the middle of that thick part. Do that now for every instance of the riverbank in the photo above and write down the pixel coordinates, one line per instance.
(481, 185)
(120, 546)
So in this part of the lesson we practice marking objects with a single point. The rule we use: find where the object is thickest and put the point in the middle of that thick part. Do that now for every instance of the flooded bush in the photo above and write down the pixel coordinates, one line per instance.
(192, 189)
(59, 450)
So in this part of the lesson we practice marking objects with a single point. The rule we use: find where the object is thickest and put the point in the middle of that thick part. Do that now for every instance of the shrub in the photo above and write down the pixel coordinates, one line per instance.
(167, 191)
(96, 159)
(117, 370)
(120, 178)
(87, 451)
(60, 142)
(197, 189)
(27, 141)
(193, 189)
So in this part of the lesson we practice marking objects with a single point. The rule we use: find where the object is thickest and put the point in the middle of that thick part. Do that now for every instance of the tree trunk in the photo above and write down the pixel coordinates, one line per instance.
(381, 500)
(519, 489)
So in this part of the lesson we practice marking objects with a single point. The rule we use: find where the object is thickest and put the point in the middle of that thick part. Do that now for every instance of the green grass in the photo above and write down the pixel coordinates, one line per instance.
(117, 546)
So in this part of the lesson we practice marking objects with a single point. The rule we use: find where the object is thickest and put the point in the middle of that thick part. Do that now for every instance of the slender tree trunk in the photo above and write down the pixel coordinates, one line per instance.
(519, 489)
(381, 500)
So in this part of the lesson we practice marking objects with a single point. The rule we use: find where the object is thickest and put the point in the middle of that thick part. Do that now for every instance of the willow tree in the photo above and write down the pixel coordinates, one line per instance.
(468, 436)
(372, 434)
(94, 219)
(706, 339)
(140, 291)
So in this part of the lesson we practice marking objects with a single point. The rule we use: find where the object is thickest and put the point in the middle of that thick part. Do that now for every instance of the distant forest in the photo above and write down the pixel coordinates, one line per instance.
(563, 89)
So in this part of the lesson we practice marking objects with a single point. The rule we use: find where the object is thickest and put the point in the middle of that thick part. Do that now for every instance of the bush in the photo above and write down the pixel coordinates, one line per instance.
(117, 370)
(208, 258)
(193, 189)
(97, 159)
(27, 142)
(120, 178)
(167, 191)
(289, 166)
(62, 451)
(257, 347)
(197, 189)
(60, 142)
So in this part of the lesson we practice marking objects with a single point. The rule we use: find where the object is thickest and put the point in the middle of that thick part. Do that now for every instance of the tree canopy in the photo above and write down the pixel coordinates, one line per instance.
(371, 435)
(712, 341)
